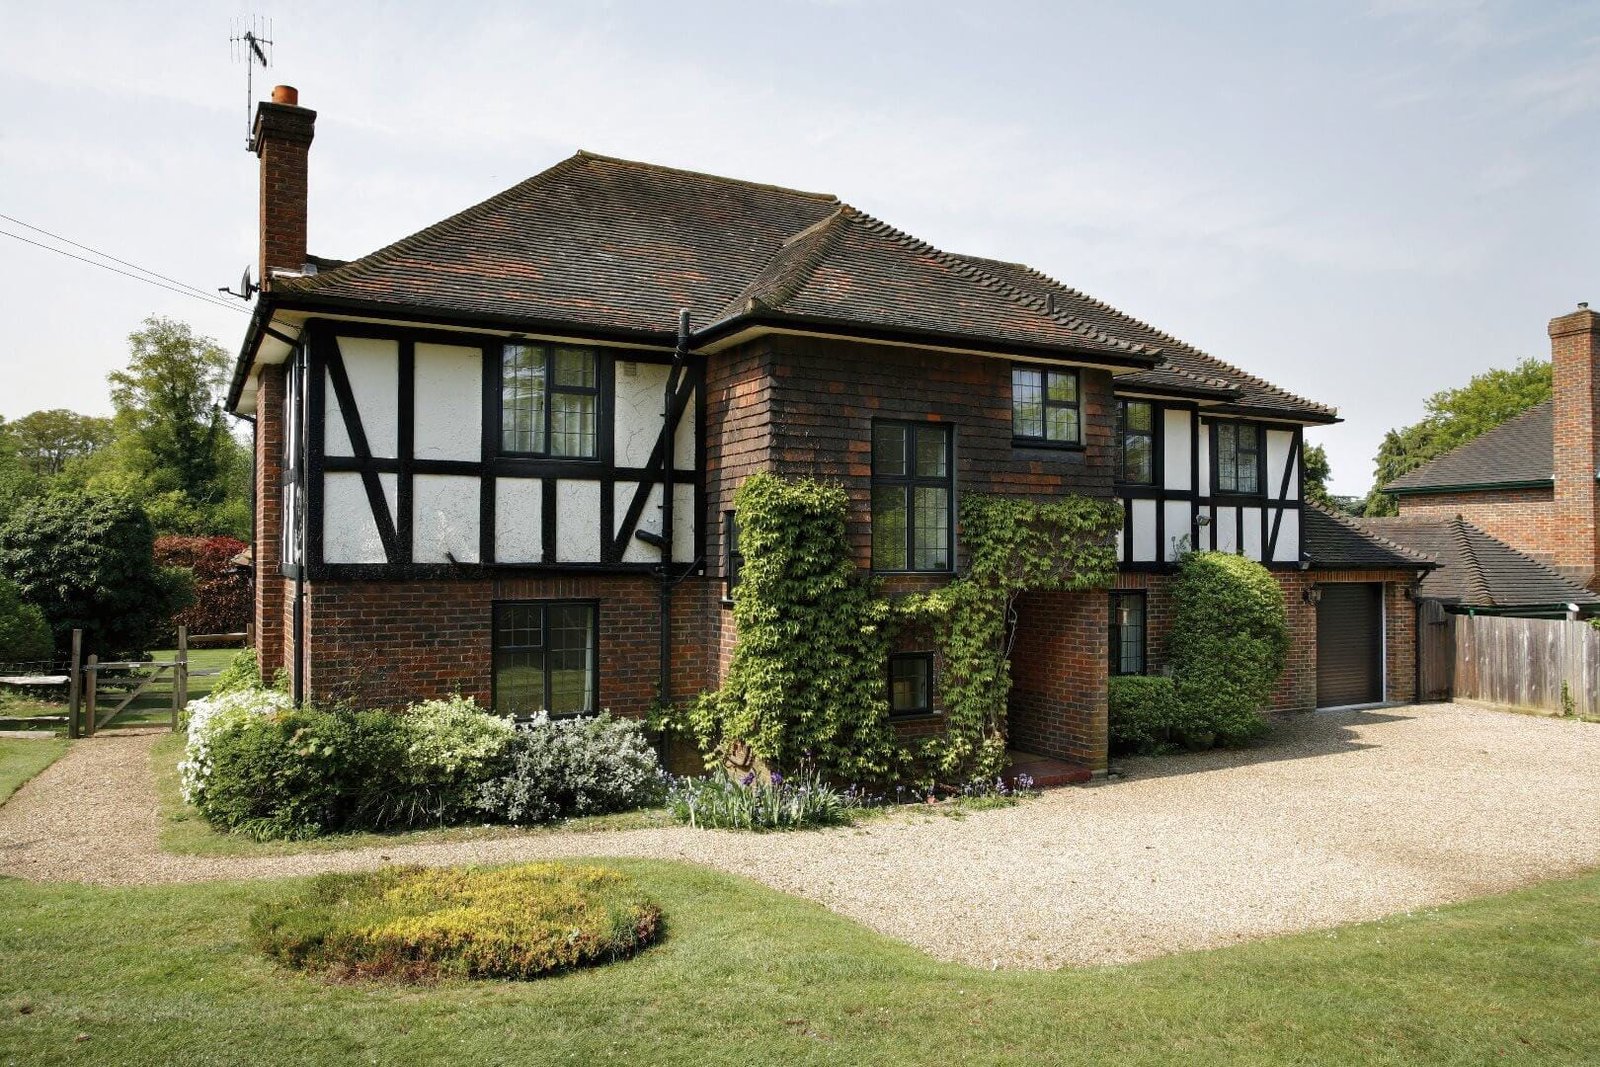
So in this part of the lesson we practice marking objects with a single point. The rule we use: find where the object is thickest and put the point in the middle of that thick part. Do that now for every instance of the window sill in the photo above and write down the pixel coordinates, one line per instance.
(1047, 445)
(913, 574)
(915, 716)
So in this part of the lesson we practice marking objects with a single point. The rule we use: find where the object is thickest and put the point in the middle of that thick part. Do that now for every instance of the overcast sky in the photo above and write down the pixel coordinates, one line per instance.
(1360, 203)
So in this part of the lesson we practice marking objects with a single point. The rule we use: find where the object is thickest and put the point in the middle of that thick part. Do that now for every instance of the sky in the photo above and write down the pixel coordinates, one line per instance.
(1362, 203)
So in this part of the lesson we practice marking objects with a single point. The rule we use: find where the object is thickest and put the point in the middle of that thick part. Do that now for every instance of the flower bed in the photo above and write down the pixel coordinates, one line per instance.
(420, 924)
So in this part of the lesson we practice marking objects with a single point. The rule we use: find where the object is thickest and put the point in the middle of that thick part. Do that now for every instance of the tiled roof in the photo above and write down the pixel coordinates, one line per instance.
(1520, 450)
(615, 244)
(1183, 366)
(1478, 570)
(1337, 542)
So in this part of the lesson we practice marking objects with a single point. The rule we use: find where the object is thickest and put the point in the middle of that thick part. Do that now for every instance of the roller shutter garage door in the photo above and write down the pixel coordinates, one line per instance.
(1350, 644)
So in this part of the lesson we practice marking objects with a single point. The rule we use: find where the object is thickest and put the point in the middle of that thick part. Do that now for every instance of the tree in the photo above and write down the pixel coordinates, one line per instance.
(174, 448)
(87, 560)
(24, 634)
(46, 441)
(1453, 417)
(1317, 471)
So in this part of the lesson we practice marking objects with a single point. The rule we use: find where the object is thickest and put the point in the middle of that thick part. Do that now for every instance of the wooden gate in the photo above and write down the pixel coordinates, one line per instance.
(1436, 651)
(93, 680)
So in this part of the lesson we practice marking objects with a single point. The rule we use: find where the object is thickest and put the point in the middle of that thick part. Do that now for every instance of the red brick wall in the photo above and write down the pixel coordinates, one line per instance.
(1525, 519)
(386, 644)
(270, 605)
(283, 141)
(1575, 356)
(1058, 671)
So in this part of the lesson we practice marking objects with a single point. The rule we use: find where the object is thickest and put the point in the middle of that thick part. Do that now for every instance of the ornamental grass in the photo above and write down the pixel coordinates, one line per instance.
(419, 924)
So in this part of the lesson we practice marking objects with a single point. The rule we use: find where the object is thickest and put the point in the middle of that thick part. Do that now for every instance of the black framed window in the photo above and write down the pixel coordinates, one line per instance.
(910, 683)
(549, 400)
(544, 657)
(1127, 632)
(732, 558)
(913, 483)
(1045, 406)
(1136, 442)
(1238, 451)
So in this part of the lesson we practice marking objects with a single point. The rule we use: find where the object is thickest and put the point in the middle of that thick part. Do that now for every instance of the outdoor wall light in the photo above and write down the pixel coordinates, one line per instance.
(1313, 595)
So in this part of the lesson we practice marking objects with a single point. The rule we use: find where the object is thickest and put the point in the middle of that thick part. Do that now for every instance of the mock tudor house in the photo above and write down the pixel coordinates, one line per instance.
(1533, 482)
(498, 456)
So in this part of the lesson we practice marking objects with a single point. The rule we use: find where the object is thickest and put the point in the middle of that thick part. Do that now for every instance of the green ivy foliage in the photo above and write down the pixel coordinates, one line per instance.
(1228, 646)
(807, 679)
(1013, 546)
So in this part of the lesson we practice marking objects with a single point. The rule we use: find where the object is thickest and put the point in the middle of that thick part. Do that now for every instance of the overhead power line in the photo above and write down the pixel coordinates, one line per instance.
(160, 281)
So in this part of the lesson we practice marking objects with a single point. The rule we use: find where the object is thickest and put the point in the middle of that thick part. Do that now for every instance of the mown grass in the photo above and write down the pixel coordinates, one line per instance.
(148, 976)
(23, 757)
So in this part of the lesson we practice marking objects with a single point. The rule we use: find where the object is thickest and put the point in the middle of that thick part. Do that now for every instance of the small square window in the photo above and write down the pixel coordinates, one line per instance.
(910, 683)
(1045, 406)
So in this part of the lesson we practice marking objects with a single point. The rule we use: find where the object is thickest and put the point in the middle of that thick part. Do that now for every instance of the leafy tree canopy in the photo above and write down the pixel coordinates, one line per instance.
(1454, 417)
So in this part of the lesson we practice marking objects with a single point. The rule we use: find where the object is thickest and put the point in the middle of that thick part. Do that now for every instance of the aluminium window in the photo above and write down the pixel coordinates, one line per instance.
(1238, 454)
(1136, 442)
(1045, 406)
(549, 400)
(913, 483)
(1127, 632)
(732, 558)
(544, 657)
(910, 683)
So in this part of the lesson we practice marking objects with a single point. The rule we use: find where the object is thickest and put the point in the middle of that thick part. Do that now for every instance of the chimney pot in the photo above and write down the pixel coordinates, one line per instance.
(286, 94)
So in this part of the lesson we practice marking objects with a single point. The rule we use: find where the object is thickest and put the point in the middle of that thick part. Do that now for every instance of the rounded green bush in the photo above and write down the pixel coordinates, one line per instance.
(420, 924)
(1143, 713)
(1229, 644)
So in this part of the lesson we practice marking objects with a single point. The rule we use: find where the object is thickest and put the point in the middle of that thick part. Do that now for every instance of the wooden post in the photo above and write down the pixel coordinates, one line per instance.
(75, 687)
(88, 699)
(180, 676)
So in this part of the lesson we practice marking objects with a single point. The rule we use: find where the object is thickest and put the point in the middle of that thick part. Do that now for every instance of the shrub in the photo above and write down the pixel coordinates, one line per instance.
(1144, 713)
(760, 802)
(1228, 645)
(451, 747)
(86, 559)
(242, 672)
(24, 634)
(417, 924)
(216, 715)
(567, 767)
(221, 602)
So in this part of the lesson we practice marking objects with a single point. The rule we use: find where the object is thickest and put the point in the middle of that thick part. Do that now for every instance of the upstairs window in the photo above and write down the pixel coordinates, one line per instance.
(1238, 458)
(1044, 406)
(1136, 442)
(913, 520)
(1127, 633)
(544, 658)
(549, 401)
(732, 558)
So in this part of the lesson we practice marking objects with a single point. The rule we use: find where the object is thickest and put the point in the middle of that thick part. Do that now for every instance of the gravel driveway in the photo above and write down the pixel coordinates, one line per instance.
(1340, 816)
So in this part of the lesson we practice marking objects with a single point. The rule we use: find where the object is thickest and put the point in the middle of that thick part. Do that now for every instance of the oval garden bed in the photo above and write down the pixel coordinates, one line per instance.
(420, 924)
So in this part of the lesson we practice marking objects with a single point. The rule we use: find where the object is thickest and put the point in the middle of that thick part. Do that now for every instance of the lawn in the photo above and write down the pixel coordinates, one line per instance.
(148, 976)
(23, 757)
(152, 706)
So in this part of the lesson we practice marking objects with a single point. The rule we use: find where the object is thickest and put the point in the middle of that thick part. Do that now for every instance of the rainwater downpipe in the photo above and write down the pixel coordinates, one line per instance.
(669, 436)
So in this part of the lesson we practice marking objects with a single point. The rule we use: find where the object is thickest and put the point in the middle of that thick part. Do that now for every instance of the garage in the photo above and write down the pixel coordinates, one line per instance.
(1349, 644)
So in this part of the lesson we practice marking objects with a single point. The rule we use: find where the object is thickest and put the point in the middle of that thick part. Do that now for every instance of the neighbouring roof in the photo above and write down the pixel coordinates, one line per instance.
(1184, 368)
(1519, 451)
(1330, 541)
(620, 246)
(1479, 571)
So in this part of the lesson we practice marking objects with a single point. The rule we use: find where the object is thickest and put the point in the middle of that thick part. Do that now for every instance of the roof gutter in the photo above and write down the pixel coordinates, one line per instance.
(1468, 487)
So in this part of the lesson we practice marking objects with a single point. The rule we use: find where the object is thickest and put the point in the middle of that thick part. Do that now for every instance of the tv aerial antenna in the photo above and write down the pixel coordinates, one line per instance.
(250, 39)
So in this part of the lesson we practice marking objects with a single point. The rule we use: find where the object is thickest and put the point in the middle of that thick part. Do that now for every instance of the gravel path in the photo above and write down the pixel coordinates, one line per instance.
(1341, 816)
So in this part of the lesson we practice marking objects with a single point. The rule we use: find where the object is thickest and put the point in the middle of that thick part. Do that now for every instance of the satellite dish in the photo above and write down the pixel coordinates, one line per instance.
(247, 288)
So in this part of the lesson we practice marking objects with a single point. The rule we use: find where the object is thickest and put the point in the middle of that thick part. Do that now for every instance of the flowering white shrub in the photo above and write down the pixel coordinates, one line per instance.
(455, 737)
(214, 715)
(584, 766)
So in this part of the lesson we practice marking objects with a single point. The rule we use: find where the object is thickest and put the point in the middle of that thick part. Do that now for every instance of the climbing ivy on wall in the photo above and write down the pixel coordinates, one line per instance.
(1013, 546)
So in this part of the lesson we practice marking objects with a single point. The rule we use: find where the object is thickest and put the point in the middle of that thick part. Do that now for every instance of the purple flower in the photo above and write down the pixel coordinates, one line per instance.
(777, 779)
(748, 779)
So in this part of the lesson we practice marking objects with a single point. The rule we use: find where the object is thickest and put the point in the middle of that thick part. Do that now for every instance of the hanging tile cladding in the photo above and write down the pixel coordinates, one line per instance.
(270, 601)
(386, 644)
(824, 396)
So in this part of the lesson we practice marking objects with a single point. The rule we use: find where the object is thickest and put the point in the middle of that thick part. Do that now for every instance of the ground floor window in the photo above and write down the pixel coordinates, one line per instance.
(910, 683)
(1127, 632)
(544, 657)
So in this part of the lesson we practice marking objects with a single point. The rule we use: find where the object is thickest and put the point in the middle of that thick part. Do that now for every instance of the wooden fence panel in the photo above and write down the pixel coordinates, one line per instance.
(1524, 663)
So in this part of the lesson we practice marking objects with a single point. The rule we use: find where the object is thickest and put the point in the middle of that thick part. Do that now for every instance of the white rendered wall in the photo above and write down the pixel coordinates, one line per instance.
(1144, 530)
(1175, 449)
(1225, 530)
(639, 400)
(444, 523)
(349, 531)
(518, 537)
(683, 457)
(1280, 457)
(1253, 547)
(577, 521)
(448, 418)
(1287, 550)
(684, 521)
(373, 367)
(1177, 517)
(1204, 440)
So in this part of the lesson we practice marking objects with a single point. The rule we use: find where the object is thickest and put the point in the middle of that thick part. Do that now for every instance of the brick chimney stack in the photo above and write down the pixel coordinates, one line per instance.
(282, 140)
(1575, 358)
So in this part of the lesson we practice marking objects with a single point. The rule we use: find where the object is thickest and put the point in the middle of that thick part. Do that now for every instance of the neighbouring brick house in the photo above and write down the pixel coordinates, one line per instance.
(1531, 482)
(492, 458)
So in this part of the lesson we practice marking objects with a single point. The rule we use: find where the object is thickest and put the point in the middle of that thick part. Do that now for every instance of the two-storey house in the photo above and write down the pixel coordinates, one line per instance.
(499, 455)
